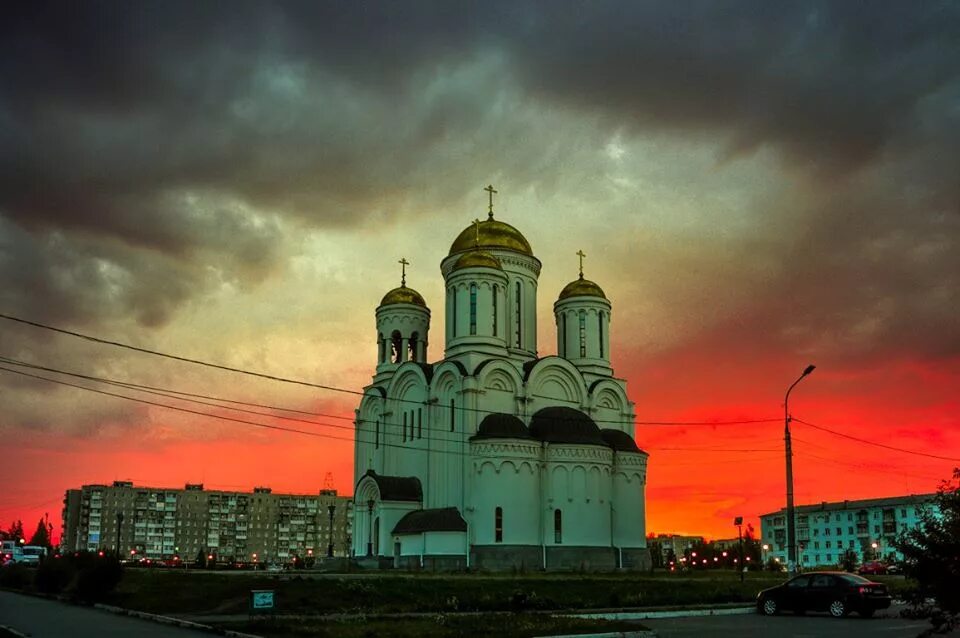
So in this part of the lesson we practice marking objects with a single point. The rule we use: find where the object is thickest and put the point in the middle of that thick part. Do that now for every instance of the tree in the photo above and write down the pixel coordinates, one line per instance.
(16, 531)
(931, 556)
(41, 537)
(849, 560)
(656, 553)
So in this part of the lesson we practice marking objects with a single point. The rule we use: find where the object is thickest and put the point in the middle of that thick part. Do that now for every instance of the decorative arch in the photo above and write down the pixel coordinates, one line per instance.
(607, 394)
(554, 379)
(496, 374)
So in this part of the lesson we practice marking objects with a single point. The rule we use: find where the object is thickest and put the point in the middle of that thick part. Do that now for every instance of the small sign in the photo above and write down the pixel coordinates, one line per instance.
(262, 600)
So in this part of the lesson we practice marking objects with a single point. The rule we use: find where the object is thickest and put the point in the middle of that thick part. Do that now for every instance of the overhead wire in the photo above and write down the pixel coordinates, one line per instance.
(331, 388)
(874, 443)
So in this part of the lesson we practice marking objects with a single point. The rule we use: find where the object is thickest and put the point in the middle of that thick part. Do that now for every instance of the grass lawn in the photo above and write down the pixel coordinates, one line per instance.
(173, 592)
(437, 626)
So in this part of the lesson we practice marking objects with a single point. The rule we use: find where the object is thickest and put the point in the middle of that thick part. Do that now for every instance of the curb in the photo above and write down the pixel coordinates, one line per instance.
(167, 620)
(13, 632)
(645, 633)
(680, 613)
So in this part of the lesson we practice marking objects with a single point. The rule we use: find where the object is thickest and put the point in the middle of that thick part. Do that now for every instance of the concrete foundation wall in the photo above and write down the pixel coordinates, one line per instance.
(636, 558)
(573, 558)
(501, 558)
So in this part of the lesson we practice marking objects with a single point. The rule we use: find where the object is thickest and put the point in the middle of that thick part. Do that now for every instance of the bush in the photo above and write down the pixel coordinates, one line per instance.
(15, 576)
(53, 575)
(96, 577)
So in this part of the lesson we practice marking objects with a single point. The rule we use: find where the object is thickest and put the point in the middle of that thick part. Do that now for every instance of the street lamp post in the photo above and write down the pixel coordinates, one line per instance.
(331, 509)
(738, 521)
(788, 449)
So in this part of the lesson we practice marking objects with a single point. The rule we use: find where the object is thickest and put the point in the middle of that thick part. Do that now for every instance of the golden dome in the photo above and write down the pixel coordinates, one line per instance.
(403, 295)
(581, 288)
(492, 234)
(477, 258)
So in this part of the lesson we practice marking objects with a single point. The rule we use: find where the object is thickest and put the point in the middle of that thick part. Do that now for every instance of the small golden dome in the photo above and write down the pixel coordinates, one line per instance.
(403, 295)
(491, 234)
(477, 259)
(581, 288)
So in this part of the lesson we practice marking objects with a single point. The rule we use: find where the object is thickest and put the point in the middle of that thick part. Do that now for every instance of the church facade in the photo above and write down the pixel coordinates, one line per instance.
(494, 457)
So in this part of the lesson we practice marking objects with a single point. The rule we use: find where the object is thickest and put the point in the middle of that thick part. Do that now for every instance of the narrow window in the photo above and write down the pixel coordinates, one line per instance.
(473, 309)
(381, 348)
(412, 346)
(557, 527)
(583, 334)
(453, 415)
(498, 525)
(519, 316)
(419, 423)
(496, 293)
(404, 426)
(454, 312)
(563, 335)
(396, 343)
(600, 327)
(376, 435)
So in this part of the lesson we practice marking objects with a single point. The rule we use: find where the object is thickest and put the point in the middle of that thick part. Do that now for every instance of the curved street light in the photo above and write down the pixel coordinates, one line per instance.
(788, 449)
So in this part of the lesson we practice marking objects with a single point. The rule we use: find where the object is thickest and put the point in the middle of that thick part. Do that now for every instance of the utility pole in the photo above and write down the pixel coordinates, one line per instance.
(331, 509)
(738, 521)
(788, 448)
(119, 525)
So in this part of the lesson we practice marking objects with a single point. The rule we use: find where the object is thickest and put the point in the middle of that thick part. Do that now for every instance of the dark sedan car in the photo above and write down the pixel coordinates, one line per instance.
(836, 592)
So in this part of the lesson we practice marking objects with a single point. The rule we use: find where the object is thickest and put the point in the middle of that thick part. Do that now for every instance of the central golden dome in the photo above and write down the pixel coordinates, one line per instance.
(581, 288)
(403, 295)
(491, 234)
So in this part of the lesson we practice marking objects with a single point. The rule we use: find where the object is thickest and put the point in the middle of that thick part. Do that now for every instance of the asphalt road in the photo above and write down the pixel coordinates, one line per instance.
(788, 626)
(41, 618)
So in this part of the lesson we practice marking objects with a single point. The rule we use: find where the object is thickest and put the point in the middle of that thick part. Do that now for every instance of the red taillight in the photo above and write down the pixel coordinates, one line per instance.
(865, 590)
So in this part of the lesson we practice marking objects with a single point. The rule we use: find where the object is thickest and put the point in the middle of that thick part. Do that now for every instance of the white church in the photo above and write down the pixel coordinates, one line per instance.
(494, 457)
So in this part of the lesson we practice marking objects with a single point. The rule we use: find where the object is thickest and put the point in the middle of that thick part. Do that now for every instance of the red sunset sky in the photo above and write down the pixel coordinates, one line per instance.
(755, 190)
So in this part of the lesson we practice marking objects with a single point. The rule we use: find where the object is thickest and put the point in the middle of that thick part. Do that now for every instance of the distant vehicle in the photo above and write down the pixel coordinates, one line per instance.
(838, 593)
(34, 554)
(12, 552)
(873, 568)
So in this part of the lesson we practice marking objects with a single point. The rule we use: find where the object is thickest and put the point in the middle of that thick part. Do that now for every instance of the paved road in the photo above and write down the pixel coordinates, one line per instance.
(788, 626)
(41, 618)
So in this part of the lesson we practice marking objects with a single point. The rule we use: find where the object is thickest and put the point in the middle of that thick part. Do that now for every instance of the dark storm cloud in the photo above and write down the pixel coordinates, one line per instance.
(117, 118)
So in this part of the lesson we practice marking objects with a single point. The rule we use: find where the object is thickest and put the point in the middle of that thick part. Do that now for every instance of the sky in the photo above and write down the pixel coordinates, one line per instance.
(758, 186)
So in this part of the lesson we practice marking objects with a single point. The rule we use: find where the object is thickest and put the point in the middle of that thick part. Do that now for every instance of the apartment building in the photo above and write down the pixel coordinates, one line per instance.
(242, 526)
(827, 530)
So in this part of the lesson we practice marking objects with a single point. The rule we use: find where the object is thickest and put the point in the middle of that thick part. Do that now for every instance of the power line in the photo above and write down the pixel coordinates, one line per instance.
(867, 468)
(874, 443)
(358, 439)
(329, 387)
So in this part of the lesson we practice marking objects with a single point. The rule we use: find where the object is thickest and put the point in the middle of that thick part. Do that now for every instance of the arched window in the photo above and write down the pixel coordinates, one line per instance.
(396, 341)
(498, 525)
(600, 332)
(404, 427)
(381, 348)
(454, 311)
(496, 303)
(412, 345)
(518, 308)
(557, 527)
(453, 415)
(419, 423)
(563, 335)
(473, 309)
(376, 434)
(583, 334)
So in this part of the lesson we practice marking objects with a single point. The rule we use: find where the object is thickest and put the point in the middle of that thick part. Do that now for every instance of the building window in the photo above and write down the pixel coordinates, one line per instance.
(519, 315)
(381, 348)
(600, 327)
(404, 427)
(376, 434)
(473, 309)
(839, 531)
(396, 342)
(453, 415)
(453, 311)
(496, 309)
(557, 527)
(583, 334)
(498, 525)
(412, 346)
(419, 423)
(563, 335)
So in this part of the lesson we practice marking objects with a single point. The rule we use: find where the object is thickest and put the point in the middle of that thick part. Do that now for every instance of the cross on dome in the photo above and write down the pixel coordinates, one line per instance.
(581, 255)
(490, 190)
(403, 270)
